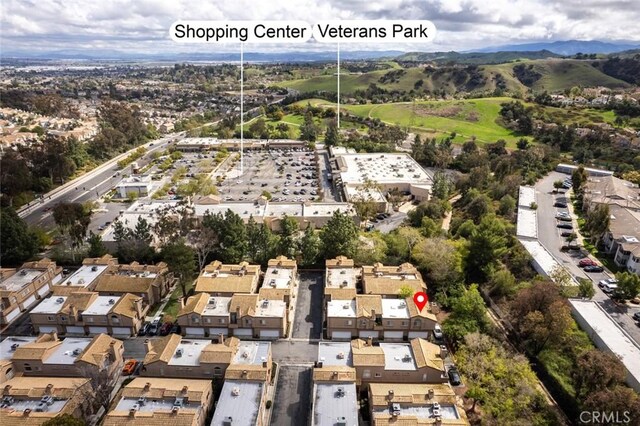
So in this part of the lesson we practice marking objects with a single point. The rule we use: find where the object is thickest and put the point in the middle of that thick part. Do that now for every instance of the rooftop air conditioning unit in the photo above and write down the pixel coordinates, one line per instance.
(112, 301)
(179, 353)
(395, 409)
(340, 392)
(47, 399)
(235, 391)
(174, 409)
(41, 407)
(265, 303)
(76, 351)
(14, 346)
(228, 421)
(23, 272)
(60, 300)
(141, 401)
(406, 358)
(340, 355)
(436, 410)
(342, 421)
(94, 268)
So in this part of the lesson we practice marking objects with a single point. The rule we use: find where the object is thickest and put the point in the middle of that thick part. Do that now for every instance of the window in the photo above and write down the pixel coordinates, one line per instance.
(388, 323)
(115, 319)
(195, 319)
(27, 367)
(363, 323)
(222, 320)
(349, 322)
(366, 374)
(63, 318)
(50, 318)
(247, 321)
(263, 322)
(417, 323)
(207, 320)
(403, 323)
(378, 374)
(88, 319)
(217, 372)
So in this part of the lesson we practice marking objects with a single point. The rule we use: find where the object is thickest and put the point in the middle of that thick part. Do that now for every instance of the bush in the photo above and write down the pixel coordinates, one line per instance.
(533, 206)
(268, 404)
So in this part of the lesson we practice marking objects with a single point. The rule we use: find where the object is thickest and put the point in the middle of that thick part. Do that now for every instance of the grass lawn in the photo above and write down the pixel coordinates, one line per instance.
(173, 305)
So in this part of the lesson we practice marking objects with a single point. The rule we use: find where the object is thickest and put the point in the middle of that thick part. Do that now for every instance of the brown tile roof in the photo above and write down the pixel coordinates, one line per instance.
(341, 261)
(253, 372)
(124, 283)
(414, 312)
(229, 284)
(368, 304)
(217, 353)
(408, 393)
(427, 354)
(38, 350)
(195, 304)
(245, 302)
(183, 417)
(161, 388)
(364, 355)
(99, 347)
(389, 286)
(283, 262)
(273, 293)
(107, 259)
(126, 305)
(336, 373)
(340, 293)
(80, 300)
(216, 265)
(162, 348)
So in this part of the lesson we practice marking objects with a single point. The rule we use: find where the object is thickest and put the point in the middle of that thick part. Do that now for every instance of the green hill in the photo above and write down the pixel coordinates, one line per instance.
(477, 58)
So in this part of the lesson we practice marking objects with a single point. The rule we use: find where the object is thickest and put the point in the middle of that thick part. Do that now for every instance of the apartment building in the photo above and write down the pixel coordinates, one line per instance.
(242, 315)
(7, 348)
(150, 282)
(155, 401)
(219, 279)
(387, 281)
(280, 280)
(85, 278)
(32, 401)
(341, 279)
(88, 313)
(334, 395)
(372, 316)
(22, 288)
(415, 404)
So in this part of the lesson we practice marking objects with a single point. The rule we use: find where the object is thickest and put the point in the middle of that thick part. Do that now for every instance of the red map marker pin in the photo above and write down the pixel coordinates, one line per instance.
(420, 299)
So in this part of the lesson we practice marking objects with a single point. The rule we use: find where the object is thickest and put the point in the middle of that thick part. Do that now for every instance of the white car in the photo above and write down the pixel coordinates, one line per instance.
(437, 332)
(609, 281)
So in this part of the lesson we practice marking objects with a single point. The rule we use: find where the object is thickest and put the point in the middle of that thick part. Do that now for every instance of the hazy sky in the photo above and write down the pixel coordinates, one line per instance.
(143, 25)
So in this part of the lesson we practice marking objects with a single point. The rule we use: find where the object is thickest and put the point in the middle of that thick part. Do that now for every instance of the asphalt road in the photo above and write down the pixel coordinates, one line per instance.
(549, 237)
(307, 323)
(292, 402)
(89, 186)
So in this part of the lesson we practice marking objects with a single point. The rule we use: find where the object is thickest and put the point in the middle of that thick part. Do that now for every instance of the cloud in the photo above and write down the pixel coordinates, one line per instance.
(143, 25)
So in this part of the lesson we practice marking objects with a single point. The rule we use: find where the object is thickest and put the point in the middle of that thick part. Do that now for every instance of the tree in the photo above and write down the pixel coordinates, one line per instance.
(596, 370)
(17, 242)
(339, 236)
(441, 185)
(97, 394)
(72, 219)
(628, 285)
(487, 244)
(64, 420)
(231, 234)
(468, 315)
(620, 403)
(96, 246)
(558, 184)
(585, 288)
(441, 260)
(540, 329)
(405, 291)
(288, 234)
(503, 283)
(180, 259)
(578, 179)
(309, 247)
(263, 244)
(308, 129)
(332, 136)
(203, 241)
(597, 221)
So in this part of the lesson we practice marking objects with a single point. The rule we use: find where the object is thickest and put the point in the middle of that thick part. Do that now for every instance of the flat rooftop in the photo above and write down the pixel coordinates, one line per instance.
(398, 356)
(23, 404)
(335, 353)
(239, 400)
(335, 402)
(447, 412)
(83, 277)
(341, 277)
(381, 168)
(244, 210)
(217, 306)
(395, 308)
(612, 336)
(356, 193)
(102, 305)
(252, 353)
(153, 405)
(278, 277)
(188, 352)
(6, 352)
(270, 308)
(50, 305)
(327, 209)
(341, 308)
(20, 279)
(68, 351)
(526, 196)
(280, 209)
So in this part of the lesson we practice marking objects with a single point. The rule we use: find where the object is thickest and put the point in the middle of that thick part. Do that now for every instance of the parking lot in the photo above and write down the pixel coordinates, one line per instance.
(289, 175)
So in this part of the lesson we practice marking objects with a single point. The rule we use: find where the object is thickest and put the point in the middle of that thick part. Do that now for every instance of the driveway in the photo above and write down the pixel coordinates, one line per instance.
(292, 402)
(307, 323)
(549, 236)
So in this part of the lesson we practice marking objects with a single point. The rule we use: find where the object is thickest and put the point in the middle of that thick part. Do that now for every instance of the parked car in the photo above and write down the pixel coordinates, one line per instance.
(564, 225)
(454, 376)
(144, 329)
(609, 288)
(166, 328)
(608, 281)
(563, 218)
(155, 326)
(560, 204)
(566, 234)
(176, 329)
(636, 316)
(129, 367)
(437, 332)
(594, 268)
(586, 262)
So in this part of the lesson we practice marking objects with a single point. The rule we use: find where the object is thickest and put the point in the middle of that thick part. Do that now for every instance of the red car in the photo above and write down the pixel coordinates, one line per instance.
(130, 367)
(586, 262)
(166, 328)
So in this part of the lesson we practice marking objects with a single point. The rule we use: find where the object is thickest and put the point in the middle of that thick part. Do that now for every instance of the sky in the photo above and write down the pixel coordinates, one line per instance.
(143, 25)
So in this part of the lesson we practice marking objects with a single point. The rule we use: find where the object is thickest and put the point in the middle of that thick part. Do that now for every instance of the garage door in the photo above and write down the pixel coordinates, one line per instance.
(45, 289)
(218, 331)
(121, 331)
(12, 315)
(346, 335)
(97, 330)
(393, 335)
(243, 332)
(269, 334)
(29, 301)
(194, 331)
(368, 333)
(74, 329)
(421, 334)
(47, 328)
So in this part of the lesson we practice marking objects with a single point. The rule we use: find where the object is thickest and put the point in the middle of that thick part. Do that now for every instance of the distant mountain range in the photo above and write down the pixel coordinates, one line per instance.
(567, 47)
